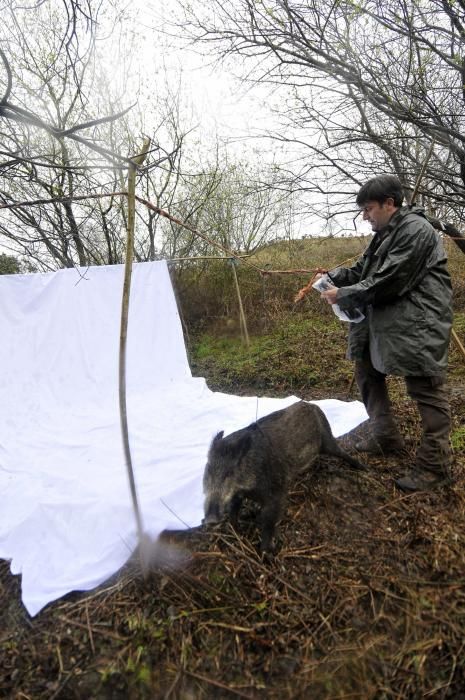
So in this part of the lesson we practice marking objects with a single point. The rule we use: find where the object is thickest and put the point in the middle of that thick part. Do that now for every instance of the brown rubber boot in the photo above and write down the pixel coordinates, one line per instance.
(416, 480)
(433, 453)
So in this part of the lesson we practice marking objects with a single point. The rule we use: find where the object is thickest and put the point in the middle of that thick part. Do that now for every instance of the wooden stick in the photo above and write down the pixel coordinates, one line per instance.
(241, 308)
(421, 173)
(207, 257)
(459, 342)
(135, 163)
(217, 684)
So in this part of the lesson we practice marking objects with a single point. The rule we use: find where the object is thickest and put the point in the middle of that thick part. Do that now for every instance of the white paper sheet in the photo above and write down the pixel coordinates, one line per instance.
(66, 519)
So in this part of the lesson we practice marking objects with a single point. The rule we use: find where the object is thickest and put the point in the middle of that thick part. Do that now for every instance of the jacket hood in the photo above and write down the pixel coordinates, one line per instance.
(404, 212)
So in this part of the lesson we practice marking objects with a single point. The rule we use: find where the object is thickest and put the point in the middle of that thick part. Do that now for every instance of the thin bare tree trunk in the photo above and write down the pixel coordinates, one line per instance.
(136, 161)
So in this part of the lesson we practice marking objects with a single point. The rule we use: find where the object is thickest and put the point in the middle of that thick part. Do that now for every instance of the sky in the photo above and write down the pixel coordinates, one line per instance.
(142, 54)
(213, 99)
(217, 101)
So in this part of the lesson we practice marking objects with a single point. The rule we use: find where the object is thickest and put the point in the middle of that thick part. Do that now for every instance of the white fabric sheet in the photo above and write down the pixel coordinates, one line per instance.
(66, 518)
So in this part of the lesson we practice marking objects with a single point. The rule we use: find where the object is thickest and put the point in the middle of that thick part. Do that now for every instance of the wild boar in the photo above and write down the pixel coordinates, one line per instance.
(260, 461)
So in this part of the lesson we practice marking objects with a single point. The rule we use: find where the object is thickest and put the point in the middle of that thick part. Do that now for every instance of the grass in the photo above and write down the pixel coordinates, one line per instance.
(277, 361)
(310, 252)
(458, 439)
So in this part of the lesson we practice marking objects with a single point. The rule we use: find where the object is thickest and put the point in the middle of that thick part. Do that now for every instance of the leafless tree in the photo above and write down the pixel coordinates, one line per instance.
(364, 86)
(55, 143)
(242, 214)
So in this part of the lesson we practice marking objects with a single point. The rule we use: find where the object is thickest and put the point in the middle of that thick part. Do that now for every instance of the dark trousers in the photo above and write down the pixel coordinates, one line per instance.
(431, 397)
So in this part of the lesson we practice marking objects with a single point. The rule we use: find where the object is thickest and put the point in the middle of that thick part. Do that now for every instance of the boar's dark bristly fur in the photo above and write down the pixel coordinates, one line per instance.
(260, 461)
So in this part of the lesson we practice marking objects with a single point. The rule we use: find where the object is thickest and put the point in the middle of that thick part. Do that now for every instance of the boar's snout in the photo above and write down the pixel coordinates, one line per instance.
(213, 514)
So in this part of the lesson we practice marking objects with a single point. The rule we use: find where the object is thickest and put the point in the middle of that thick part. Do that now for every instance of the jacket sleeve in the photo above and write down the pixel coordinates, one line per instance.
(344, 276)
(413, 249)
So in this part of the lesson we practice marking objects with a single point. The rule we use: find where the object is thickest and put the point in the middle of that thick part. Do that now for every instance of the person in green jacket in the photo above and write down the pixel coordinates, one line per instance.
(402, 285)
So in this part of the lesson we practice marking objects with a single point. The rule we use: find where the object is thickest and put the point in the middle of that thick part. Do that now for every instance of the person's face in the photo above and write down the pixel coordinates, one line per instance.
(378, 214)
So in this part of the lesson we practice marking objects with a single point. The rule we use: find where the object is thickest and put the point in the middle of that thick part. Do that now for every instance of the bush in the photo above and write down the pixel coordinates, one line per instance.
(9, 265)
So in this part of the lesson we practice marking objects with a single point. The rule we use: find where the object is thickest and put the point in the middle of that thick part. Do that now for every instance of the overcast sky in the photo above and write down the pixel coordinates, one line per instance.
(212, 98)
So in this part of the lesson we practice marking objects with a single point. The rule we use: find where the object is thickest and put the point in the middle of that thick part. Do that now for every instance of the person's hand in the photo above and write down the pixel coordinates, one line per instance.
(330, 295)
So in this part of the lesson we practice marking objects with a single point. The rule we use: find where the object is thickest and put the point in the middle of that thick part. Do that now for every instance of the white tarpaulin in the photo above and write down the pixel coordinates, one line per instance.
(66, 518)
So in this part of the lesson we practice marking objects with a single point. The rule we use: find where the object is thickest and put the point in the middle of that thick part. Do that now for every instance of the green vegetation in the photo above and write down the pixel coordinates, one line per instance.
(300, 353)
(310, 252)
(9, 265)
(458, 439)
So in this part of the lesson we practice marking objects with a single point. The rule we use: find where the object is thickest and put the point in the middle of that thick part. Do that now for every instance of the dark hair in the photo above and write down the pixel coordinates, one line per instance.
(380, 188)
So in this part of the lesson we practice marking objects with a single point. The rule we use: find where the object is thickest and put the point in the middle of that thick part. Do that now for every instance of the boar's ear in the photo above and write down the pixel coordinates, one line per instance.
(240, 448)
(215, 444)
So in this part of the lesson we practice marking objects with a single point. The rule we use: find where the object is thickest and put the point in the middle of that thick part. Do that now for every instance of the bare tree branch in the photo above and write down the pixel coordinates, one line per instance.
(9, 76)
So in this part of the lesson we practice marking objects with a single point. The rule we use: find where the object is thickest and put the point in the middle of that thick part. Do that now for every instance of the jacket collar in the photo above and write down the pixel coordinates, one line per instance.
(393, 221)
(399, 215)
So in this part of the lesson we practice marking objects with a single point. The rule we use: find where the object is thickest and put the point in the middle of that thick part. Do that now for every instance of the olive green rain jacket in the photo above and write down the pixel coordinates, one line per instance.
(402, 284)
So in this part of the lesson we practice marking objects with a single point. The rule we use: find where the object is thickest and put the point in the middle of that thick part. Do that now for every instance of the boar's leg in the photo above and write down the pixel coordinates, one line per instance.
(330, 447)
(269, 517)
(234, 509)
